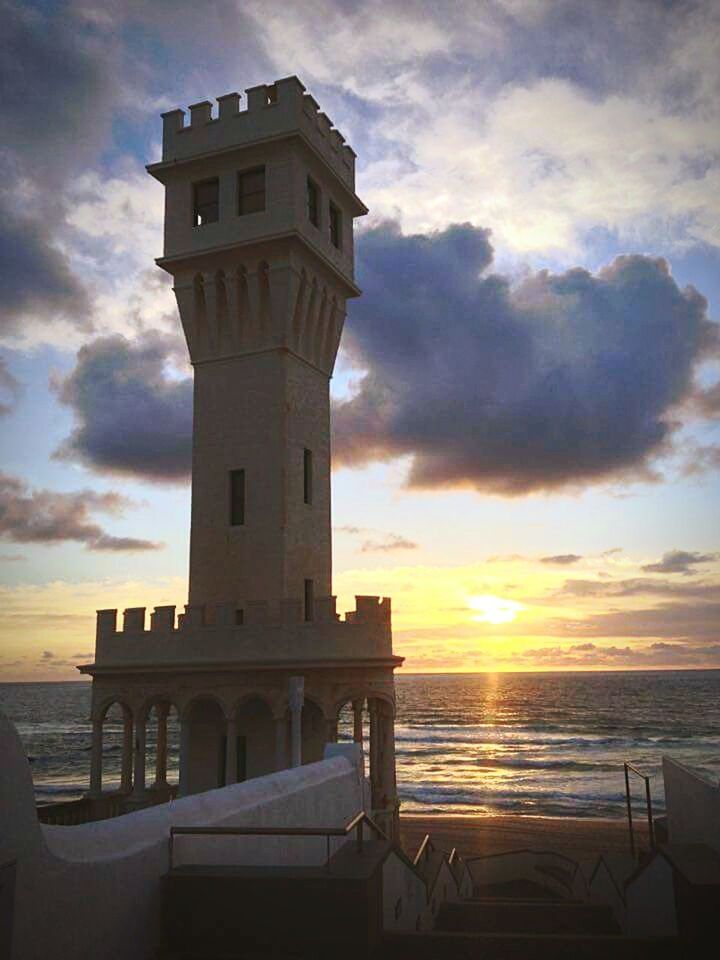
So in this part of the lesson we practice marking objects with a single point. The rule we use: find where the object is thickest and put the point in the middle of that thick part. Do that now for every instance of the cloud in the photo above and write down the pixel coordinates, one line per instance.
(660, 654)
(560, 382)
(679, 561)
(378, 541)
(392, 541)
(58, 75)
(42, 516)
(133, 417)
(690, 620)
(10, 388)
(562, 559)
(638, 586)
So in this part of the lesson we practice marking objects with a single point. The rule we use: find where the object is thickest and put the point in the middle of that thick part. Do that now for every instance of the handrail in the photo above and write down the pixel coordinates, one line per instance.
(424, 849)
(356, 823)
(629, 768)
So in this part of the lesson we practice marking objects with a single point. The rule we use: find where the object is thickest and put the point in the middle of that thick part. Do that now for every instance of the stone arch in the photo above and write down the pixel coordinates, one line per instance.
(252, 745)
(185, 706)
(314, 730)
(112, 746)
(202, 744)
(362, 693)
(162, 742)
(100, 710)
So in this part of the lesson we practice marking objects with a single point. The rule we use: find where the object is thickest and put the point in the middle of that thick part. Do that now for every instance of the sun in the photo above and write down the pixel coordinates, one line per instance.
(493, 609)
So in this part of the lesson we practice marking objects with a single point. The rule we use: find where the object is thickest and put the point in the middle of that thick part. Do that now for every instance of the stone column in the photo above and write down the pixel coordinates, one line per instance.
(357, 706)
(331, 731)
(388, 800)
(127, 753)
(161, 710)
(281, 743)
(231, 771)
(373, 709)
(296, 700)
(139, 778)
(183, 775)
(96, 759)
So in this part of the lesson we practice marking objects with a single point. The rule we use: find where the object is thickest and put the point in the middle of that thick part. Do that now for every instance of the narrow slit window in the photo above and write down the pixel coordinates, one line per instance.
(251, 191)
(237, 498)
(309, 599)
(307, 476)
(313, 201)
(206, 202)
(335, 226)
(239, 617)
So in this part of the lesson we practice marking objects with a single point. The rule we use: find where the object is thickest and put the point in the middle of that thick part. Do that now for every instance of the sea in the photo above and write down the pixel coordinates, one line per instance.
(544, 744)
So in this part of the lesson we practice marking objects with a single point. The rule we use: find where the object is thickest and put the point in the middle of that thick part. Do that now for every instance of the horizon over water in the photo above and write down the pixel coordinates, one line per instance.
(544, 744)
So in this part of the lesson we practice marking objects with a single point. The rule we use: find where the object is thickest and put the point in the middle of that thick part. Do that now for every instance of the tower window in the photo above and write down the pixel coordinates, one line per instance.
(307, 475)
(251, 191)
(309, 599)
(313, 201)
(335, 226)
(206, 206)
(237, 498)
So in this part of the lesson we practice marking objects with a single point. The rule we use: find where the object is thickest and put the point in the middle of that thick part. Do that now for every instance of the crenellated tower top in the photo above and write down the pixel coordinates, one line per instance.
(272, 110)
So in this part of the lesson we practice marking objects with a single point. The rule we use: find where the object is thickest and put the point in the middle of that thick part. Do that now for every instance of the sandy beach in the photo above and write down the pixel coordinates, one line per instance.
(475, 836)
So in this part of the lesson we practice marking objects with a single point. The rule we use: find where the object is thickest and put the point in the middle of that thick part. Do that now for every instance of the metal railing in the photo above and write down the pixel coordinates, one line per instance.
(629, 768)
(356, 824)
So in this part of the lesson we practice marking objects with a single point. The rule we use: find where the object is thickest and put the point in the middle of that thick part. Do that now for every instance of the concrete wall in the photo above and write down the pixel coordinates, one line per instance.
(650, 902)
(94, 890)
(693, 805)
(403, 885)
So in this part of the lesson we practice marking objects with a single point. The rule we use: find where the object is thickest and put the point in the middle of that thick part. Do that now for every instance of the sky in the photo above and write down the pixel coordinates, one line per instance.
(525, 406)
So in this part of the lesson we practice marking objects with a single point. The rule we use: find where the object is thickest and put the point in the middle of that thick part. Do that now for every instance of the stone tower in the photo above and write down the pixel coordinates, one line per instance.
(259, 241)
(259, 210)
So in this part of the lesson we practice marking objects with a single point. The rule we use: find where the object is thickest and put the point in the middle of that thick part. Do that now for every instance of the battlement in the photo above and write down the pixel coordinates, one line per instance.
(272, 111)
(258, 631)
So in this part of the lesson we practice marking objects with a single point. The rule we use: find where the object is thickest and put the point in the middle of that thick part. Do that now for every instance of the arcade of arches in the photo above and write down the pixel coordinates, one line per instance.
(225, 740)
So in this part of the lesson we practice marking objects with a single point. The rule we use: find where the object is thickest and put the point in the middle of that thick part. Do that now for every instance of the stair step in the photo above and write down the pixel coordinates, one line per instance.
(488, 946)
(531, 917)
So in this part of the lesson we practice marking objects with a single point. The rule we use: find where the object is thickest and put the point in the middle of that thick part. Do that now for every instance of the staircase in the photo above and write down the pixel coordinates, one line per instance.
(524, 905)
(494, 928)
(369, 901)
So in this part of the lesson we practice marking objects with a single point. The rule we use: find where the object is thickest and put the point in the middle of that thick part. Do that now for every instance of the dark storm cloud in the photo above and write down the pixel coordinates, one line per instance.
(35, 278)
(563, 381)
(562, 559)
(57, 74)
(679, 561)
(43, 516)
(132, 418)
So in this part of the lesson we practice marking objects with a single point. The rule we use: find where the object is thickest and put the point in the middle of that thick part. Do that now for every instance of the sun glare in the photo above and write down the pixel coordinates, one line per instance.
(491, 609)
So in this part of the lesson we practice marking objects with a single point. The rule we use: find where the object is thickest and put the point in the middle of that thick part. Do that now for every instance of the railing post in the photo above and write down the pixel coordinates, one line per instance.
(651, 825)
(629, 808)
(360, 836)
